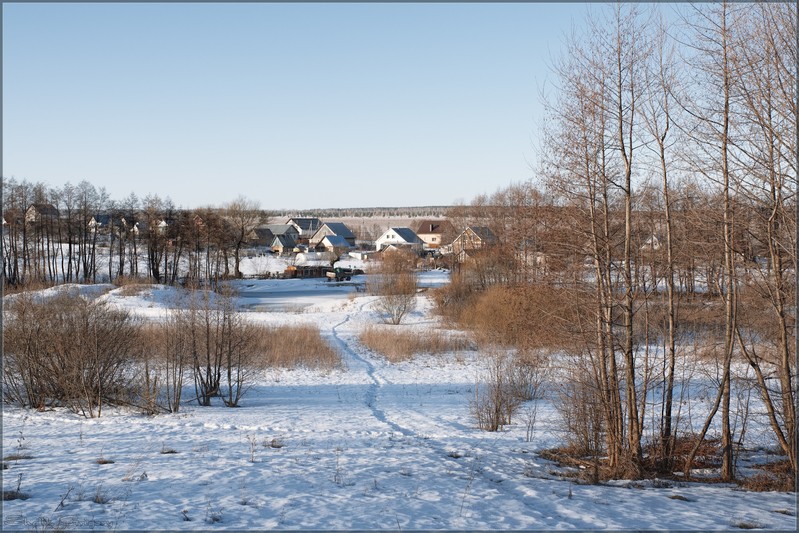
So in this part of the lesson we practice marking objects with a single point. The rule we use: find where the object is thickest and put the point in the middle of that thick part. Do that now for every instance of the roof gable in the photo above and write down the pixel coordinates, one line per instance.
(283, 240)
(280, 229)
(406, 234)
(339, 228)
(438, 227)
(483, 232)
(305, 223)
(337, 241)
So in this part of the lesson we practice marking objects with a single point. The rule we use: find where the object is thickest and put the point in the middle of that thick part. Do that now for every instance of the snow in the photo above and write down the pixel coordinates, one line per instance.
(372, 445)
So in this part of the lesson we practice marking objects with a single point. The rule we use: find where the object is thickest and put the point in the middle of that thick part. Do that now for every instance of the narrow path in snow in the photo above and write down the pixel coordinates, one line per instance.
(476, 462)
(358, 364)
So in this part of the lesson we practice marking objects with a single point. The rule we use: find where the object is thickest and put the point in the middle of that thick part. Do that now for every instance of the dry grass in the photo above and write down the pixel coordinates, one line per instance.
(282, 347)
(29, 286)
(17, 457)
(746, 524)
(297, 346)
(769, 481)
(397, 345)
(131, 286)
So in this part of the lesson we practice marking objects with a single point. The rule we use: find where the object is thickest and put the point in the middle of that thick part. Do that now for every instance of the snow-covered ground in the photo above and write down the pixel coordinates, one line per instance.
(370, 446)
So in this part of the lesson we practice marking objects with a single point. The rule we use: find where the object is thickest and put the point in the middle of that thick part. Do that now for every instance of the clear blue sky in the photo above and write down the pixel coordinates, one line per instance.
(293, 105)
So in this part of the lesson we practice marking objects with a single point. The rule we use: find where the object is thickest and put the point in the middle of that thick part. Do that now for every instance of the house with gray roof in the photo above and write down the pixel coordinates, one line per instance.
(306, 226)
(283, 229)
(471, 239)
(399, 237)
(283, 244)
(332, 228)
(333, 243)
(38, 212)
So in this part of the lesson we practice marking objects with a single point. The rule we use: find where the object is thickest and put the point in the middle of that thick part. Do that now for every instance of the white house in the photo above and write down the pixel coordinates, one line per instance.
(399, 237)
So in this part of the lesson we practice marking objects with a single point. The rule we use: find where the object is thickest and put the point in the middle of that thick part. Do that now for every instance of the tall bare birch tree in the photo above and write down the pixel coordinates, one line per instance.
(766, 153)
(712, 62)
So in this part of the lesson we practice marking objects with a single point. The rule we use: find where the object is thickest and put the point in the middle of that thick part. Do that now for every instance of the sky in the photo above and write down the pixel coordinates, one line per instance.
(295, 106)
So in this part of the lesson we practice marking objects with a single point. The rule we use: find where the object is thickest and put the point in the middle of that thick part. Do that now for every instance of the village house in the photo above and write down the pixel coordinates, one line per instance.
(282, 244)
(38, 212)
(282, 229)
(306, 227)
(262, 237)
(471, 239)
(434, 233)
(334, 243)
(399, 238)
(332, 228)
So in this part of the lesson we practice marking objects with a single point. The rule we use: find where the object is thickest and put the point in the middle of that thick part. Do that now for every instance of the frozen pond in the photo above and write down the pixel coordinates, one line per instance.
(294, 294)
(298, 294)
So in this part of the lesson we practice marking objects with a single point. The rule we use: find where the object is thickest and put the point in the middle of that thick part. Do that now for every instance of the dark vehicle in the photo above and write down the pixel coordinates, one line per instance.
(342, 274)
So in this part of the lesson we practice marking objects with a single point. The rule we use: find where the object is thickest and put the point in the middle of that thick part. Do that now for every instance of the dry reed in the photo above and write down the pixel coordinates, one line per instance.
(297, 346)
(397, 346)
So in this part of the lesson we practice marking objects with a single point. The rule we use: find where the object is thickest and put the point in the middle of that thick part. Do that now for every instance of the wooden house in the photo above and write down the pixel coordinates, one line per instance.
(39, 212)
(471, 239)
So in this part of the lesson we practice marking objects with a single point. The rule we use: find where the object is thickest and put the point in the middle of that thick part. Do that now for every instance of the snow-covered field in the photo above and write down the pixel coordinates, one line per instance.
(370, 446)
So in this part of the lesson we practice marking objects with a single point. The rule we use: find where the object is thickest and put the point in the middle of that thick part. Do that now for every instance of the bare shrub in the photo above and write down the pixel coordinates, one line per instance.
(397, 346)
(455, 298)
(131, 286)
(164, 354)
(769, 482)
(295, 346)
(221, 346)
(394, 282)
(66, 351)
(580, 408)
(507, 384)
(529, 317)
(494, 404)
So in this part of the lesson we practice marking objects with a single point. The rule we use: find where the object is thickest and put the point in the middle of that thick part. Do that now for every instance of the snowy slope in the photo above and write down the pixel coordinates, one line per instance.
(370, 446)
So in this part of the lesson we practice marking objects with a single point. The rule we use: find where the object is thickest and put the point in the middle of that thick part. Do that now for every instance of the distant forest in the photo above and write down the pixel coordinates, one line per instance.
(434, 211)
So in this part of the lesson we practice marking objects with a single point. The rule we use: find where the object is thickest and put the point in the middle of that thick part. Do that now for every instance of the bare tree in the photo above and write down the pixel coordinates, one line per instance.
(244, 216)
(766, 153)
(713, 28)
(394, 283)
(657, 117)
